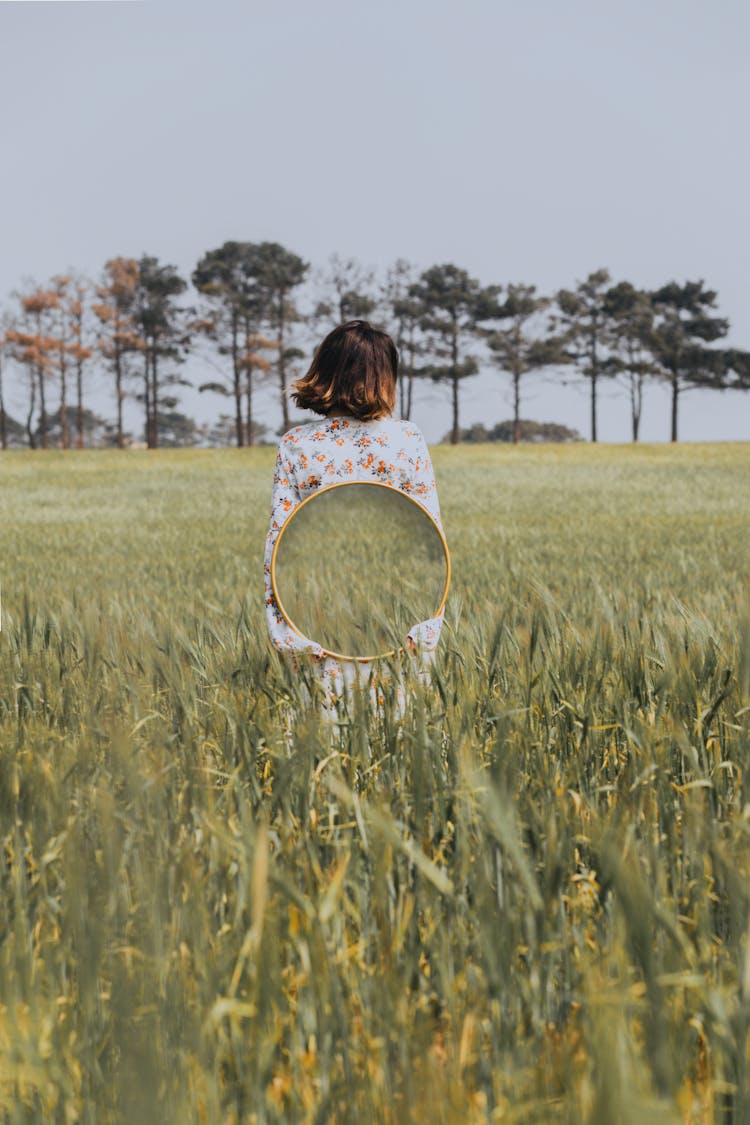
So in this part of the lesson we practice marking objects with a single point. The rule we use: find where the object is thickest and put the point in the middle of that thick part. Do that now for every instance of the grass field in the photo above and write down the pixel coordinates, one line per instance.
(529, 901)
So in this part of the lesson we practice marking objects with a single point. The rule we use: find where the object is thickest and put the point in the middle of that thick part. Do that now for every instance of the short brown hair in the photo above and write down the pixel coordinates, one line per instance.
(354, 370)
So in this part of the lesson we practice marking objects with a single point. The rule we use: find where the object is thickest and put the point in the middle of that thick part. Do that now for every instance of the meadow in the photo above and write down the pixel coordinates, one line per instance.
(528, 900)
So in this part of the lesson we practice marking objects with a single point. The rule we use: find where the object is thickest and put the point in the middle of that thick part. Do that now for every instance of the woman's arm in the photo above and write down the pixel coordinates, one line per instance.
(284, 500)
(424, 637)
(426, 634)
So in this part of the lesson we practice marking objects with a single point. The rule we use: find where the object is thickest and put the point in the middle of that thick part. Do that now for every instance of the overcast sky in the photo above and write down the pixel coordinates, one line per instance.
(526, 142)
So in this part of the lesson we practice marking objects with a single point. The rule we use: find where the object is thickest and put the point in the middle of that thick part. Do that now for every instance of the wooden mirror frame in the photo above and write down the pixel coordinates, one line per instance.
(348, 484)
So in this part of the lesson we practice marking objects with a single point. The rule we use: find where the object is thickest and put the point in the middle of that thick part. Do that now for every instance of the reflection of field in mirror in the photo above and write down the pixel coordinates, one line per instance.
(357, 566)
(526, 901)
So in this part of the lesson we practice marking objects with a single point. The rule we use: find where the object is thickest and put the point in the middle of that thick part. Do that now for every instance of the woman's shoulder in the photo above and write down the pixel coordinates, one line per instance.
(405, 433)
(408, 428)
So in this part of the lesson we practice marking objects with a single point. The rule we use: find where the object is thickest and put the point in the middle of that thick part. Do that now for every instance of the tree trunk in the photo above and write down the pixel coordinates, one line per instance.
(64, 421)
(675, 396)
(249, 392)
(118, 393)
(282, 364)
(147, 398)
(636, 403)
(410, 381)
(32, 404)
(42, 411)
(63, 404)
(516, 370)
(79, 405)
(516, 407)
(79, 388)
(594, 374)
(154, 399)
(455, 432)
(237, 377)
(240, 429)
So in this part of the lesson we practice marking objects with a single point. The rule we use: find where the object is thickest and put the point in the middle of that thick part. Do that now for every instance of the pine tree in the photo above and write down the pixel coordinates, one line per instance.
(452, 306)
(402, 320)
(630, 318)
(161, 325)
(515, 349)
(683, 326)
(583, 320)
(280, 272)
(118, 336)
(228, 278)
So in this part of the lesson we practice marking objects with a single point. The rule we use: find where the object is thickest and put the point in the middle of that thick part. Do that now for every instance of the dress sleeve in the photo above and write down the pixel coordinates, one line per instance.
(426, 634)
(284, 499)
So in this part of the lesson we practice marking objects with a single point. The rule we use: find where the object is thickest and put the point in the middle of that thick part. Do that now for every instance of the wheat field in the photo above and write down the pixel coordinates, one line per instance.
(526, 900)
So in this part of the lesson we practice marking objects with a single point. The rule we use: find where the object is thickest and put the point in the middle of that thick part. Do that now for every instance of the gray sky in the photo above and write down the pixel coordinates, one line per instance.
(528, 142)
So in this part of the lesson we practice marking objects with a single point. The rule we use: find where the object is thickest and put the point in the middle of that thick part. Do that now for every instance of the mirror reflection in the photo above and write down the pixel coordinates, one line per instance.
(356, 566)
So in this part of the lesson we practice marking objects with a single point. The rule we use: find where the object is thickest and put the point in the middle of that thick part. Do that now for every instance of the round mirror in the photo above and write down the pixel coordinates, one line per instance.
(356, 566)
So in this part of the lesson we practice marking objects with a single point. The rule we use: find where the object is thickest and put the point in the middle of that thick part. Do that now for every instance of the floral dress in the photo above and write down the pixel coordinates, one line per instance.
(333, 450)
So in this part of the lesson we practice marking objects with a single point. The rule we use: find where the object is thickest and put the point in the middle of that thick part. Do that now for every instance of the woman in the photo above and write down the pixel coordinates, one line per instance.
(352, 384)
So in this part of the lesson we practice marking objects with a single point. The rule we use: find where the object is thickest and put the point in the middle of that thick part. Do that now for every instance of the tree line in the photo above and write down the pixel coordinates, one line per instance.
(251, 311)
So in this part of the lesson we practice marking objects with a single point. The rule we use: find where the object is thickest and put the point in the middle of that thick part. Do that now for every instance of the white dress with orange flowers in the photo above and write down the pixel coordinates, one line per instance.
(333, 450)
